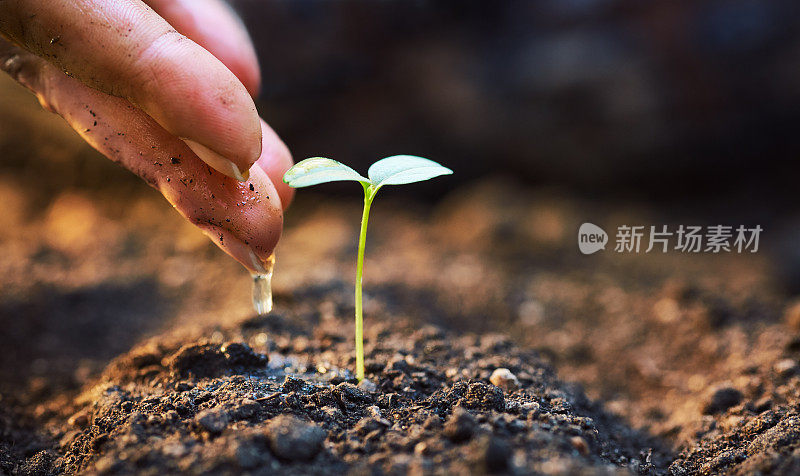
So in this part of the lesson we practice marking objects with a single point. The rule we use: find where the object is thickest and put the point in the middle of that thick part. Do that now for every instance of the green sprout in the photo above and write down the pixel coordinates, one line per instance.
(394, 170)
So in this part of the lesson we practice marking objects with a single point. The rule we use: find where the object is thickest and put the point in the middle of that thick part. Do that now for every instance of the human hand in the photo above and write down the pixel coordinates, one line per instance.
(175, 110)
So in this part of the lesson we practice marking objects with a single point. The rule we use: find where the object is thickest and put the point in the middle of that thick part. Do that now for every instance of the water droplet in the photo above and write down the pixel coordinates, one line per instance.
(262, 288)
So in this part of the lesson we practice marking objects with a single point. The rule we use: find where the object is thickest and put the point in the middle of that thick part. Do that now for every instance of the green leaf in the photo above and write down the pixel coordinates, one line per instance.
(318, 170)
(400, 169)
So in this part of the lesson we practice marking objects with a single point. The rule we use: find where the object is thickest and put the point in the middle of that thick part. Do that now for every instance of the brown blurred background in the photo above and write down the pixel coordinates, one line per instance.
(603, 97)
(695, 97)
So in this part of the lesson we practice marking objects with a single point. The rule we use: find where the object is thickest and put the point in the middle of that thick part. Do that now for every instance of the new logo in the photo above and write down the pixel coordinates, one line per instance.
(591, 238)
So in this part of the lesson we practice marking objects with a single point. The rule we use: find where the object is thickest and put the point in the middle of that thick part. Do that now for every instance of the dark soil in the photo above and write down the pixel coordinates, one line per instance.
(129, 345)
(427, 405)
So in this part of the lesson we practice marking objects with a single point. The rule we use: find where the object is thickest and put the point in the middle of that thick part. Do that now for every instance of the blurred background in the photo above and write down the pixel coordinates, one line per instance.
(661, 98)
(695, 97)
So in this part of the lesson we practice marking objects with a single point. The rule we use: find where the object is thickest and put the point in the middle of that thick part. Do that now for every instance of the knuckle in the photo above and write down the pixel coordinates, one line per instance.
(150, 61)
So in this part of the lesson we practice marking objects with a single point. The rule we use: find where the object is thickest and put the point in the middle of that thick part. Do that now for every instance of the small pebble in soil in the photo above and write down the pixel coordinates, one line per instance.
(504, 379)
(786, 367)
(367, 385)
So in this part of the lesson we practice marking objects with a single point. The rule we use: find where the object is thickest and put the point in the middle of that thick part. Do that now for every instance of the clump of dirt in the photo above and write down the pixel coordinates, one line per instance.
(272, 400)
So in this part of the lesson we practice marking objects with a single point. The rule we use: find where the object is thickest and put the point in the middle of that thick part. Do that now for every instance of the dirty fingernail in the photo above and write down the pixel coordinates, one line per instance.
(216, 161)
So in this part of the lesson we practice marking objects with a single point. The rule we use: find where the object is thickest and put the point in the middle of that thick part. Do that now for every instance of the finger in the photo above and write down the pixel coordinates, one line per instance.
(275, 160)
(214, 25)
(242, 218)
(125, 49)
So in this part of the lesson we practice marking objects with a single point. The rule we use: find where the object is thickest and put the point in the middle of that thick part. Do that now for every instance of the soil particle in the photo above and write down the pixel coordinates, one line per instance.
(293, 439)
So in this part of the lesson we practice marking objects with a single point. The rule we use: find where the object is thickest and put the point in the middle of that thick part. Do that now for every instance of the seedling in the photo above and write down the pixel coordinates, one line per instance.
(395, 170)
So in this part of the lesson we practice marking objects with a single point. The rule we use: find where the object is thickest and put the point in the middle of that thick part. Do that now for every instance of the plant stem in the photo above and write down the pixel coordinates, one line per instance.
(369, 194)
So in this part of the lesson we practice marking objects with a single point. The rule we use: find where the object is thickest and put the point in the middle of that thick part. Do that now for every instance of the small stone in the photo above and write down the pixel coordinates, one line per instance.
(213, 420)
(786, 367)
(367, 385)
(580, 444)
(293, 439)
(504, 379)
(722, 399)
(460, 426)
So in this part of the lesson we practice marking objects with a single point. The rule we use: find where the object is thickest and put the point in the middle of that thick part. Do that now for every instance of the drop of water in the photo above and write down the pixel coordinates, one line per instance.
(262, 288)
